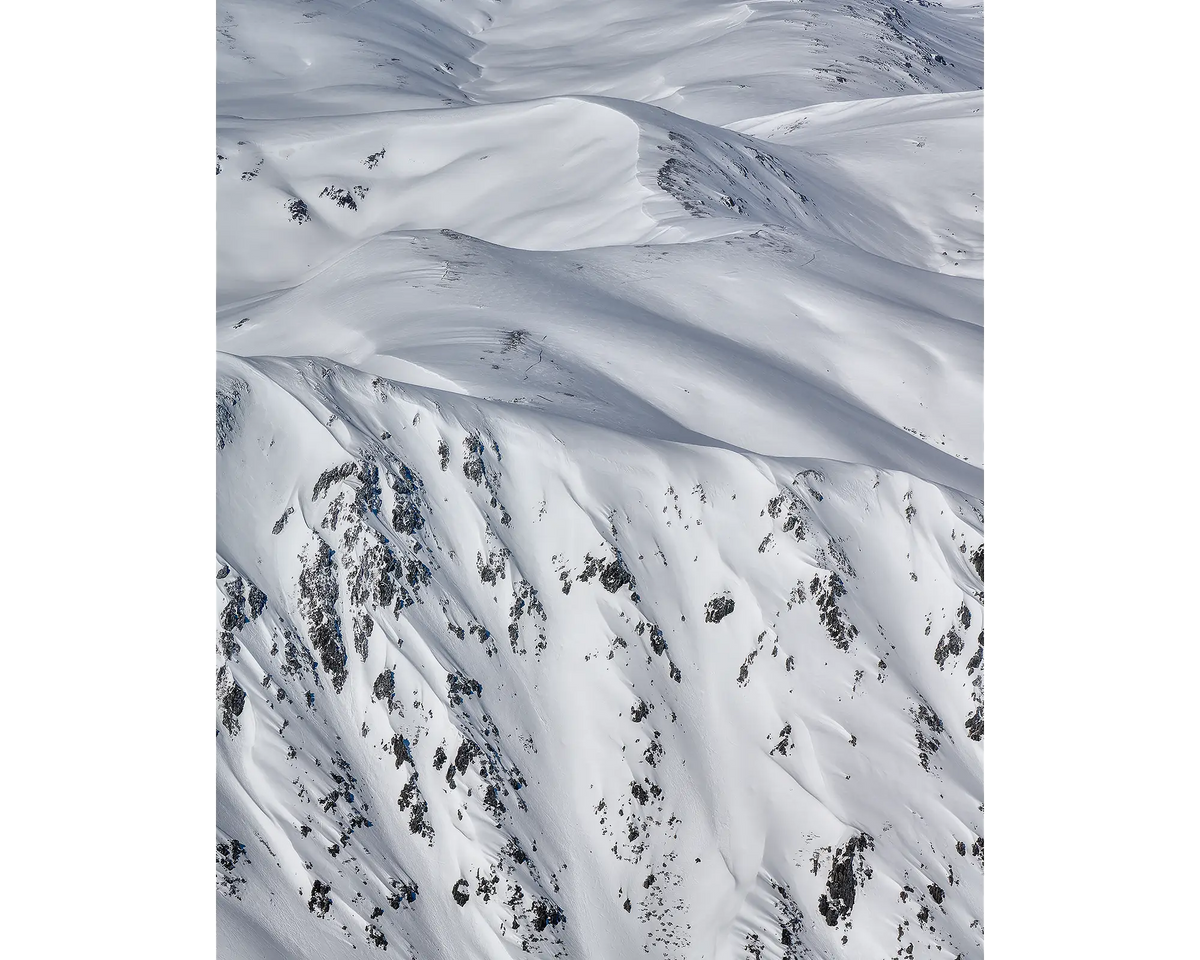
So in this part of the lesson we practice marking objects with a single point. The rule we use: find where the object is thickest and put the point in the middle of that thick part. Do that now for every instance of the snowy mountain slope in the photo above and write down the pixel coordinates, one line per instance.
(722, 61)
(712, 60)
(649, 340)
(609, 173)
(828, 310)
(553, 581)
(599, 544)
(908, 169)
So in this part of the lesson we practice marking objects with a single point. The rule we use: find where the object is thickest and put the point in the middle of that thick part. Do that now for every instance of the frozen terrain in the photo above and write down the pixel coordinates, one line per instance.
(600, 475)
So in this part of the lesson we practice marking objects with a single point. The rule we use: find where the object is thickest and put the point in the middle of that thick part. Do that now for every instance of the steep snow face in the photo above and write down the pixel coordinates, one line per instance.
(599, 463)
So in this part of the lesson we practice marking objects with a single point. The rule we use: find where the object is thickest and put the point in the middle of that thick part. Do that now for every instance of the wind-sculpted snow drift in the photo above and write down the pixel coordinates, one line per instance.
(599, 467)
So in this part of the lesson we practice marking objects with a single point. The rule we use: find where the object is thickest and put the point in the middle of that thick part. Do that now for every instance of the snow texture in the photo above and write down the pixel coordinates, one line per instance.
(599, 455)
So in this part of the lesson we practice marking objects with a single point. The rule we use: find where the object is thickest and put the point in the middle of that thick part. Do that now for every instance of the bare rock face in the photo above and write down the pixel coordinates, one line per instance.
(717, 609)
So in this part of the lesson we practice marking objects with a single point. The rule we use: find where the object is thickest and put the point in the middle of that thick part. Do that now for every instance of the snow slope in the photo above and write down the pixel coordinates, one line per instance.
(599, 464)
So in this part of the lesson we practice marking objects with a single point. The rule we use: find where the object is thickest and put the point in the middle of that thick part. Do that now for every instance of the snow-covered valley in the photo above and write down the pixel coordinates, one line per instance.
(600, 475)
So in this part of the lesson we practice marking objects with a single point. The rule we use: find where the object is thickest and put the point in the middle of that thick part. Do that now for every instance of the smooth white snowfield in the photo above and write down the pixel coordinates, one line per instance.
(599, 469)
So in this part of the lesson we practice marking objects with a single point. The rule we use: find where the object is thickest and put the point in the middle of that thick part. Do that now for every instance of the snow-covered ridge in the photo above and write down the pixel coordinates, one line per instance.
(600, 550)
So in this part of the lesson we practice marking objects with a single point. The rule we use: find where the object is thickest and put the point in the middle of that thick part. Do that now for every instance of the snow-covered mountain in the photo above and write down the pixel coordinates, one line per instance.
(600, 474)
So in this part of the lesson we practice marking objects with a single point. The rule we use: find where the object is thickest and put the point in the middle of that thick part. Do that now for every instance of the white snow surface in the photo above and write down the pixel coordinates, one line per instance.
(599, 471)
